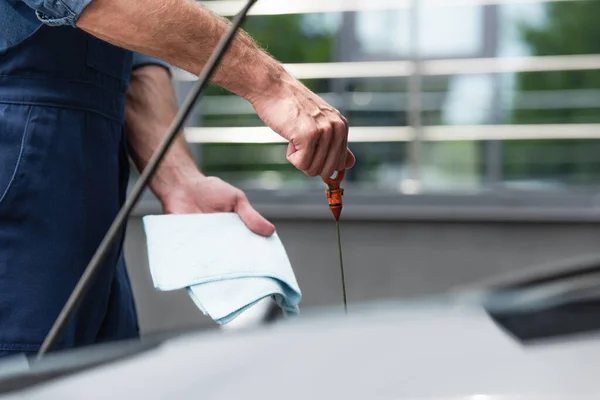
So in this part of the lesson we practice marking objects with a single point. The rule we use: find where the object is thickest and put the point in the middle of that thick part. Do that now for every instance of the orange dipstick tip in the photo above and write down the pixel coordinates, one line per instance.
(335, 193)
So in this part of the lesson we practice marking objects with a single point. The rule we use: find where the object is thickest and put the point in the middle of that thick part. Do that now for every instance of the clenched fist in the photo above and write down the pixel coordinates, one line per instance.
(317, 133)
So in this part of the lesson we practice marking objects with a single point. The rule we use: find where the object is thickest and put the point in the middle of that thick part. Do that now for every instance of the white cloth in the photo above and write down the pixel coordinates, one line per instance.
(225, 267)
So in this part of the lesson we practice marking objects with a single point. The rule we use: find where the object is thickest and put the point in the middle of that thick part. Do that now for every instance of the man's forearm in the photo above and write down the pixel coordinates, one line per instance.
(184, 33)
(150, 108)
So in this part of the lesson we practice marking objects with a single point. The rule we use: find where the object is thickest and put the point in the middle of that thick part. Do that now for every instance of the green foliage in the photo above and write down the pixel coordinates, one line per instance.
(283, 37)
(571, 28)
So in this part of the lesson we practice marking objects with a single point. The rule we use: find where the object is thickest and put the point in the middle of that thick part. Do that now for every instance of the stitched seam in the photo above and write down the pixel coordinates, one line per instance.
(25, 347)
(58, 20)
(47, 20)
(18, 347)
(60, 105)
(35, 78)
(18, 163)
(71, 12)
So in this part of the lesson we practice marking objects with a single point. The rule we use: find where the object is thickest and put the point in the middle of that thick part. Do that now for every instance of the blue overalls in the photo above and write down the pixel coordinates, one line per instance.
(63, 176)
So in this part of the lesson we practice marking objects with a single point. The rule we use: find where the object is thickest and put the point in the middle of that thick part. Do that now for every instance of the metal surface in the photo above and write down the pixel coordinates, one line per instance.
(411, 184)
(95, 264)
(429, 350)
(434, 67)
(374, 134)
(276, 7)
(344, 100)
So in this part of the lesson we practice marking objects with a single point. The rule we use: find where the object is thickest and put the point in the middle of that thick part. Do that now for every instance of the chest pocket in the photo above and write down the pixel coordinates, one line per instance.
(110, 64)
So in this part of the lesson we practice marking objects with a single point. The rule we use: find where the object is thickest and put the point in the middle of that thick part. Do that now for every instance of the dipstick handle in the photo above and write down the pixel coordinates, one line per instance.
(334, 194)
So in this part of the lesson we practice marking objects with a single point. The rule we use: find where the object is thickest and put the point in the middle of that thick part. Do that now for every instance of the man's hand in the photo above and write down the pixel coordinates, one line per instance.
(317, 133)
(212, 195)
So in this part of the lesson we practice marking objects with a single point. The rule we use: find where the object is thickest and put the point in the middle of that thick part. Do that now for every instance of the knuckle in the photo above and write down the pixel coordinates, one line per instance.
(239, 196)
(341, 129)
(213, 182)
(344, 120)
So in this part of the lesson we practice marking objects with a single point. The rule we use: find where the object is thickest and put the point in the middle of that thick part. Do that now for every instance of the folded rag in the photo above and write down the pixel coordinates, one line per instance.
(225, 267)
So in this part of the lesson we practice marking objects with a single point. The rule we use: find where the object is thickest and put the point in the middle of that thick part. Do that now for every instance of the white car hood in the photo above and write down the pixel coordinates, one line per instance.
(449, 352)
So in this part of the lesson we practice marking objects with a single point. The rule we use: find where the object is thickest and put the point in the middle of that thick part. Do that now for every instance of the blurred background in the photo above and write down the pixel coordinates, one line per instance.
(475, 125)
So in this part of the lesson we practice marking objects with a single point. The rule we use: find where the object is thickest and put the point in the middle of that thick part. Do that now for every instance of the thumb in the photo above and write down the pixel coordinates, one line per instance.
(253, 220)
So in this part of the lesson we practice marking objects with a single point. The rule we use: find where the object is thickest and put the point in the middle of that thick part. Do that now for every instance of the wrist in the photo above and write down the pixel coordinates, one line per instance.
(270, 81)
(169, 180)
